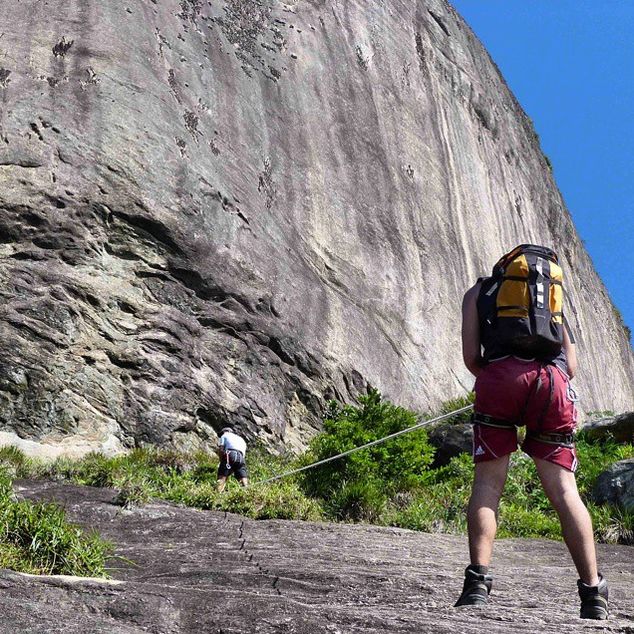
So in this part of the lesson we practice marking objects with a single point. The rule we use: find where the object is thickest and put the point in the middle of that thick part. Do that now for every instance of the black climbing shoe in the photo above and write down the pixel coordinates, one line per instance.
(477, 586)
(594, 600)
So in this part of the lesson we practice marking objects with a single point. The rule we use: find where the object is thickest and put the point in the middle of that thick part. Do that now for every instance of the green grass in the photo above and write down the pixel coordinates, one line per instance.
(36, 538)
(188, 479)
(391, 484)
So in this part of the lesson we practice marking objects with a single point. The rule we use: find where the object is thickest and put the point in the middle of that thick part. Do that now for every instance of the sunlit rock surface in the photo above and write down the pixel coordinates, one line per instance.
(195, 571)
(232, 211)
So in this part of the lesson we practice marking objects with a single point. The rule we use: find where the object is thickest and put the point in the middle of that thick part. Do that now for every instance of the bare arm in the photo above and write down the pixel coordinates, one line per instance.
(471, 332)
(571, 354)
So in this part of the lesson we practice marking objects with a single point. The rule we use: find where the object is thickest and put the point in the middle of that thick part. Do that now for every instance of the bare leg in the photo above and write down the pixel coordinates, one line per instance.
(488, 485)
(220, 483)
(576, 526)
(244, 481)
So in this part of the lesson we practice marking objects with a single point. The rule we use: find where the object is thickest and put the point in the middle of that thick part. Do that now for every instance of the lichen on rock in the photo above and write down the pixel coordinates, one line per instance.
(231, 212)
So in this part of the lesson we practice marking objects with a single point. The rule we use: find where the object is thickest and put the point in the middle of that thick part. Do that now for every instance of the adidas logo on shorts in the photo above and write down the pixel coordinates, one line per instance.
(479, 451)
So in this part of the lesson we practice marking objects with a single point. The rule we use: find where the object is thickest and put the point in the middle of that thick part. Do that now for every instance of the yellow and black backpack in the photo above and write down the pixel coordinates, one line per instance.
(520, 307)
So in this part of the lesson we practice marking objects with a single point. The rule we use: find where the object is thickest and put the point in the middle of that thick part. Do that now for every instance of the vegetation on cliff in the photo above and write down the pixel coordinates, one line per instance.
(388, 484)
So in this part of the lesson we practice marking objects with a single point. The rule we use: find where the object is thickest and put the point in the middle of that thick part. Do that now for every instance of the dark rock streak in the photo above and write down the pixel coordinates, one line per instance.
(230, 212)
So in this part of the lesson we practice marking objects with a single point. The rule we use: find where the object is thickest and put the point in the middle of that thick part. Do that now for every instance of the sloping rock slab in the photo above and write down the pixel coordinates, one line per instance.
(621, 428)
(208, 572)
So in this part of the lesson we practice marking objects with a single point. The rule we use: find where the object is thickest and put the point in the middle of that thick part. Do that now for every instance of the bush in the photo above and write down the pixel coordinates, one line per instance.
(94, 470)
(612, 525)
(596, 457)
(452, 405)
(275, 501)
(440, 504)
(516, 520)
(283, 501)
(358, 501)
(359, 485)
(13, 460)
(16, 464)
(134, 490)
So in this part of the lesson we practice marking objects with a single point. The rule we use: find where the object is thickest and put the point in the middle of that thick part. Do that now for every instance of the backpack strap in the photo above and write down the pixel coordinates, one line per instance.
(568, 330)
(533, 280)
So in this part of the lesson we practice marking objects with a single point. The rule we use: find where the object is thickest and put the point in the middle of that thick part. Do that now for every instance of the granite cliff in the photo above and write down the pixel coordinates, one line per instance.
(231, 211)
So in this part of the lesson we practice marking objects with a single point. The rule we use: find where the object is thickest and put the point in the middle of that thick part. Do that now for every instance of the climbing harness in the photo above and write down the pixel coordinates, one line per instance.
(551, 438)
(424, 423)
(490, 421)
(238, 457)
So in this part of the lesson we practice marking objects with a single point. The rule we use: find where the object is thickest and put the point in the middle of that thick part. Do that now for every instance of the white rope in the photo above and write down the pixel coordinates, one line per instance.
(369, 444)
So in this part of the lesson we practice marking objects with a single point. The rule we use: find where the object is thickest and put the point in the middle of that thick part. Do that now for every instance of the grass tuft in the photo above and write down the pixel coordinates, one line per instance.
(37, 538)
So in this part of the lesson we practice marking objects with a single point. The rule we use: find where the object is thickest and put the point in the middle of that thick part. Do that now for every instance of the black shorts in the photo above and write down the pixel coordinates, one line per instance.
(236, 465)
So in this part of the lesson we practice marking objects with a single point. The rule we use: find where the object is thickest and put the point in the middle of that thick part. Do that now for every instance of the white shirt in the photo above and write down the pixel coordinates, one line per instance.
(232, 442)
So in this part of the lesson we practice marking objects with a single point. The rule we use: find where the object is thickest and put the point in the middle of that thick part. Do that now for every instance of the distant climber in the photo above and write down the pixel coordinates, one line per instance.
(231, 450)
(516, 343)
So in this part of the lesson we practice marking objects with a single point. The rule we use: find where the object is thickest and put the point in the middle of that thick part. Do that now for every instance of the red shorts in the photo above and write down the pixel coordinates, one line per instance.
(508, 390)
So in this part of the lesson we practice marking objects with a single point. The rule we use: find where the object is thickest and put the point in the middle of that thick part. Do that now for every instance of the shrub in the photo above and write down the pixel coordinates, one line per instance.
(456, 403)
(440, 504)
(358, 486)
(276, 501)
(516, 520)
(359, 501)
(94, 469)
(612, 525)
(134, 490)
(12, 459)
(596, 457)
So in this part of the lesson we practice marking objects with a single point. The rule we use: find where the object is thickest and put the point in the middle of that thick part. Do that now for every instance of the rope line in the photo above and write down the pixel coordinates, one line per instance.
(369, 444)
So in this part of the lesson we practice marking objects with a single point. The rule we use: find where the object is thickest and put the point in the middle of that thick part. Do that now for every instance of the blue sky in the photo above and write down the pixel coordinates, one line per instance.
(570, 63)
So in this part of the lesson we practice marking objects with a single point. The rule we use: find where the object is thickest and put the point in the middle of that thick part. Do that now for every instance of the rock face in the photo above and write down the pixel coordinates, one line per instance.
(450, 439)
(228, 212)
(620, 428)
(616, 485)
(200, 571)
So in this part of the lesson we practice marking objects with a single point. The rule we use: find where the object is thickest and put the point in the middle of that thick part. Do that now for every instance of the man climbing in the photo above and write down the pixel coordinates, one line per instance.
(231, 450)
(515, 342)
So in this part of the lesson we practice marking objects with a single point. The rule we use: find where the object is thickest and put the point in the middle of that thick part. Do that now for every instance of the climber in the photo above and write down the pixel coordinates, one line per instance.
(518, 346)
(231, 450)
